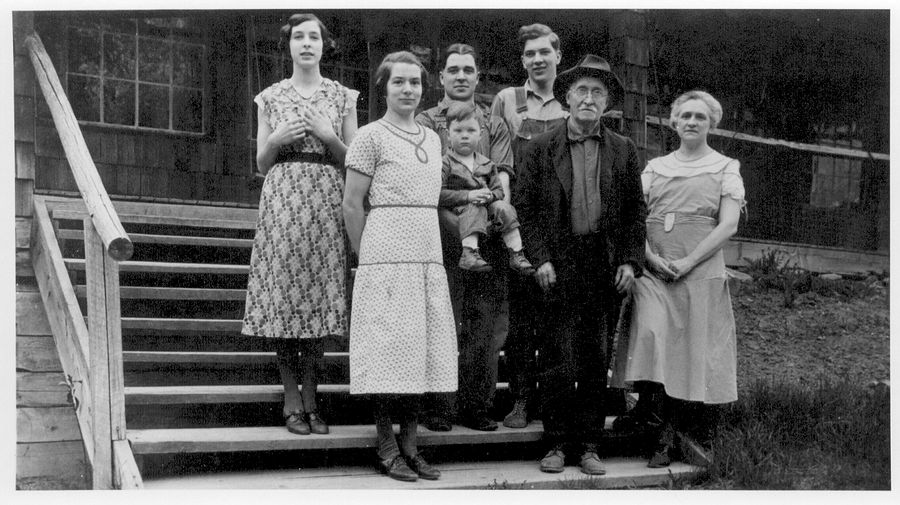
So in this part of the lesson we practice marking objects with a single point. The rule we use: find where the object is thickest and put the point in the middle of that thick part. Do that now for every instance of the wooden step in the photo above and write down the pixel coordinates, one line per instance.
(180, 220)
(172, 293)
(248, 393)
(167, 268)
(241, 358)
(621, 473)
(199, 357)
(59, 205)
(180, 325)
(146, 238)
(276, 438)
(177, 325)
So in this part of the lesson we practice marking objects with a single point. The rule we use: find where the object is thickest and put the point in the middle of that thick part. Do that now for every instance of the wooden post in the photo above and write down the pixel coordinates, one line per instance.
(105, 328)
(630, 55)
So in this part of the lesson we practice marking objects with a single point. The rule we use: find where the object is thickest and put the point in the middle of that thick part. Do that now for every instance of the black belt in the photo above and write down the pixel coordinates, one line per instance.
(295, 156)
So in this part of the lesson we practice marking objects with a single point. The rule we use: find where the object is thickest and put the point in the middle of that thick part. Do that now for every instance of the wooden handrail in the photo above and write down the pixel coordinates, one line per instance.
(103, 214)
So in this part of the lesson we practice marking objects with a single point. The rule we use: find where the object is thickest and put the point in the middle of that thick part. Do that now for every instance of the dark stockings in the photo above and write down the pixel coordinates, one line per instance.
(408, 409)
(308, 364)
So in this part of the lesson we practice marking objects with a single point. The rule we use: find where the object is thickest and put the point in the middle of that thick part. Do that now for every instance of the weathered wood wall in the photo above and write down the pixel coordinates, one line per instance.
(49, 450)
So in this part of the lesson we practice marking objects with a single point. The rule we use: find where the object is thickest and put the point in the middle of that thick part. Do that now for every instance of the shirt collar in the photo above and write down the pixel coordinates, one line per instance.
(480, 159)
(445, 102)
(529, 90)
(576, 134)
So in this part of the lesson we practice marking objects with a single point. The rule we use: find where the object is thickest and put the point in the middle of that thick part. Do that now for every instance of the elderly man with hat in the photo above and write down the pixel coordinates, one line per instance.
(582, 211)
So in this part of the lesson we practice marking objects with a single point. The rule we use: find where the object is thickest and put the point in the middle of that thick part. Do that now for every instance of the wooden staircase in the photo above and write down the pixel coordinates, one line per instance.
(195, 388)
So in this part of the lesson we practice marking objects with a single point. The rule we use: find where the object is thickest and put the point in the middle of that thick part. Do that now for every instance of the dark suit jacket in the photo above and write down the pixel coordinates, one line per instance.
(543, 190)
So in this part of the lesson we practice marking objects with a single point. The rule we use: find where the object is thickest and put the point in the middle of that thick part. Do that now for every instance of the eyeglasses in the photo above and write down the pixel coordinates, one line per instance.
(596, 93)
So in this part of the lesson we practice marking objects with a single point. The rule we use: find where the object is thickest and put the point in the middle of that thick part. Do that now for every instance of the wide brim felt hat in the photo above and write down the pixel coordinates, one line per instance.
(590, 65)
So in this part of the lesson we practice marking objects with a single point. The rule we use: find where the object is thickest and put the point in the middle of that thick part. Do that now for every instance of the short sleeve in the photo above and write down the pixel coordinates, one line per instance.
(362, 154)
(262, 101)
(350, 98)
(732, 183)
(646, 179)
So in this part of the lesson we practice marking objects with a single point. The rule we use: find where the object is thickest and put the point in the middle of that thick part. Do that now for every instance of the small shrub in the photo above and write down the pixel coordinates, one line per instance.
(777, 269)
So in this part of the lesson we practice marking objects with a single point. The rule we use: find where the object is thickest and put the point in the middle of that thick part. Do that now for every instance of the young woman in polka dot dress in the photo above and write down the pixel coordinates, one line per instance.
(296, 291)
(402, 333)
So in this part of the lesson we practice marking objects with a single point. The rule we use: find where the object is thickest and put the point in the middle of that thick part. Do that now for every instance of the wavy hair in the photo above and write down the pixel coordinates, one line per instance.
(383, 73)
(715, 108)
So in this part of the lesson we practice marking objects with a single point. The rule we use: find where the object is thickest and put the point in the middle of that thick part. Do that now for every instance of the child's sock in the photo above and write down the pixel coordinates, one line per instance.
(512, 239)
(471, 241)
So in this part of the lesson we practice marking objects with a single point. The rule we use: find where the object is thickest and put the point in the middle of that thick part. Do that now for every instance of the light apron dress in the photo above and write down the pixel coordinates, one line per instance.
(682, 334)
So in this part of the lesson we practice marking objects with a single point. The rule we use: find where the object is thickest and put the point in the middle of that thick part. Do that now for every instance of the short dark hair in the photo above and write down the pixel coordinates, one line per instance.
(297, 19)
(383, 73)
(460, 48)
(537, 30)
(459, 111)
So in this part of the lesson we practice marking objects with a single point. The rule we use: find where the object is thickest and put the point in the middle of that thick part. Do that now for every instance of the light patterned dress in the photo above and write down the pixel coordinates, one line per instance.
(402, 332)
(682, 333)
(298, 267)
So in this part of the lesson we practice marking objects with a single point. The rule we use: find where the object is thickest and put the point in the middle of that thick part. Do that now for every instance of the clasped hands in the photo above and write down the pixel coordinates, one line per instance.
(480, 196)
(308, 121)
(670, 271)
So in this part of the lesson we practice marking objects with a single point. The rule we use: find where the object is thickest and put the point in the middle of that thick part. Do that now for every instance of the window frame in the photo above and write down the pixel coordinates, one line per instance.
(103, 76)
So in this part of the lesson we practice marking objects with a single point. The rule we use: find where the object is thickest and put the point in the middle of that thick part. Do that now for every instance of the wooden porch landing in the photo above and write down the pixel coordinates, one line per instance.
(622, 473)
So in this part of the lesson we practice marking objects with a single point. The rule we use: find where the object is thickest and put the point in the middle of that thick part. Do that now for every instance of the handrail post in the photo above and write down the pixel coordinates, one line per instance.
(107, 377)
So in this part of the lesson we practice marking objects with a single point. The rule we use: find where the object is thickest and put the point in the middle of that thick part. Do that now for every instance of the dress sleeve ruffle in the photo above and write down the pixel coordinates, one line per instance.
(350, 98)
(733, 184)
(362, 153)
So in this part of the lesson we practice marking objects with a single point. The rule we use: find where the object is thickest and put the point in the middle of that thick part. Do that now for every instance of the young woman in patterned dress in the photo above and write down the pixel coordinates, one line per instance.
(402, 336)
(296, 291)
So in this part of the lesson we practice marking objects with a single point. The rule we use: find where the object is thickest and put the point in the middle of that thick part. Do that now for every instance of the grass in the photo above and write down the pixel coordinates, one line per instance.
(785, 436)
(835, 435)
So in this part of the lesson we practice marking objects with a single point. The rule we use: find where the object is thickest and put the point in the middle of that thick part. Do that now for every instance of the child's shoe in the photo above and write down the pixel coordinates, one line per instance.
(519, 263)
(472, 261)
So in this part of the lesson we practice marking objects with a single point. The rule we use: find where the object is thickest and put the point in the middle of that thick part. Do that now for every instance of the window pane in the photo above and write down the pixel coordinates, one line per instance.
(118, 102)
(153, 60)
(116, 24)
(154, 27)
(188, 109)
(118, 56)
(84, 95)
(84, 51)
(825, 166)
(853, 192)
(154, 106)
(188, 61)
(841, 167)
(855, 169)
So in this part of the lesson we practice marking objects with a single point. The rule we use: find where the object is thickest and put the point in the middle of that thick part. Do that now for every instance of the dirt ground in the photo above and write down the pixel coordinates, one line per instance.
(820, 337)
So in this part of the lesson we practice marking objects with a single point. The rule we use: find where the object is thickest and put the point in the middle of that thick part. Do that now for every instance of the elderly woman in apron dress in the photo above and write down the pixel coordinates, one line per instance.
(681, 346)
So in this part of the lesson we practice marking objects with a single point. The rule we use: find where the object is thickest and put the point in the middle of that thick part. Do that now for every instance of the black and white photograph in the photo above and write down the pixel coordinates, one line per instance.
(353, 246)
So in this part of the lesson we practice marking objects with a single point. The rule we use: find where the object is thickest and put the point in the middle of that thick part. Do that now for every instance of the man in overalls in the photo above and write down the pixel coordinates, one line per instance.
(527, 111)
(479, 299)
